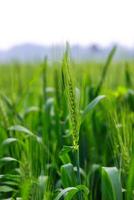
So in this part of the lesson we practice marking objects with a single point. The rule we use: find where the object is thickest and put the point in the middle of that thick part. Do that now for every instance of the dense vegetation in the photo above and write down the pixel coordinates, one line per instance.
(66, 130)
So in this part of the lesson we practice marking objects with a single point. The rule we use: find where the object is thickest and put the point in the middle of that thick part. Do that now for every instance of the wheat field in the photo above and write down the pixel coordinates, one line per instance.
(66, 130)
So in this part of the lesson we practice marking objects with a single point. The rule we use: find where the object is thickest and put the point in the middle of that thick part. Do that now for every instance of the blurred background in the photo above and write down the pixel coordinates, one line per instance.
(30, 29)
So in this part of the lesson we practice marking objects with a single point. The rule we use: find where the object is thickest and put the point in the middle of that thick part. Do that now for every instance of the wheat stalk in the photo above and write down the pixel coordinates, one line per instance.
(73, 106)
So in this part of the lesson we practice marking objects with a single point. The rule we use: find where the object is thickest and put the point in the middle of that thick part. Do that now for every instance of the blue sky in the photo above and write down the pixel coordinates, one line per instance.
(56, 21)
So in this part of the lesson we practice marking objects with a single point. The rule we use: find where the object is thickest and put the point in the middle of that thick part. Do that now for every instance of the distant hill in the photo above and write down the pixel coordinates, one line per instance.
(33, 52)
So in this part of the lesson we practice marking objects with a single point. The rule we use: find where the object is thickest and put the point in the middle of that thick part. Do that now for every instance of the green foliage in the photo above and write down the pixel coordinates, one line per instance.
(111, 184)
(68, 176)
(71, 191)
(91, 105)
(58, 131)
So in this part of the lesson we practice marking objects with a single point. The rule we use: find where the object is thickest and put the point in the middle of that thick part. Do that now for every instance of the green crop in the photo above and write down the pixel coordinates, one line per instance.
(66, 130)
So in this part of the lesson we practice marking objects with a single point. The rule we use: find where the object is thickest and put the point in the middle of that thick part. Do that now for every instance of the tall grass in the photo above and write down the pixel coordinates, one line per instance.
(56, 140)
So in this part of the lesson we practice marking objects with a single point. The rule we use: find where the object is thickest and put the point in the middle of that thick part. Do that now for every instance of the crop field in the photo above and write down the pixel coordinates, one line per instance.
(66, 130)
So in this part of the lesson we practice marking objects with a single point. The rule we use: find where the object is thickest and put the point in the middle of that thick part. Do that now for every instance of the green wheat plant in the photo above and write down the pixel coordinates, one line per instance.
(73, 101)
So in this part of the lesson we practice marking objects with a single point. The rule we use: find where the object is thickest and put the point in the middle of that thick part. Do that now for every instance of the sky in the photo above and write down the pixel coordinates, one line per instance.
(48, 22)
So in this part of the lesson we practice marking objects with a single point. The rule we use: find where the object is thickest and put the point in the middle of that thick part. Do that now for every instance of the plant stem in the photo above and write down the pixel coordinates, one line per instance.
(78, 171)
